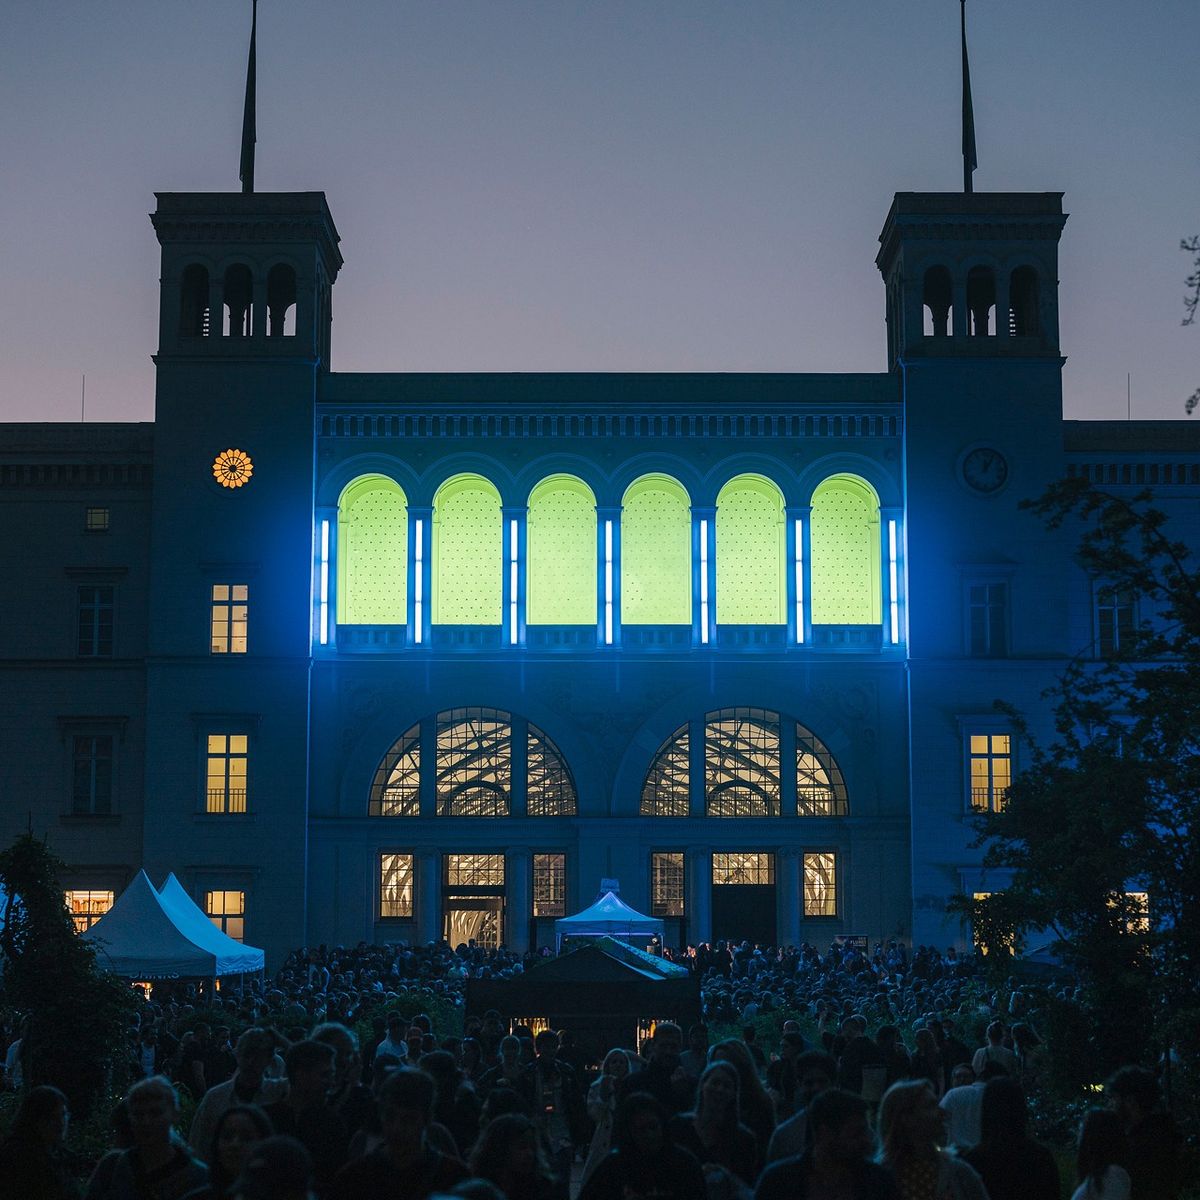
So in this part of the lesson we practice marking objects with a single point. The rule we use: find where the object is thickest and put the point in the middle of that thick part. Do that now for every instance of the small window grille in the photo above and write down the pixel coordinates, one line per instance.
(230, 608)
(227, 911)
(95, 622)
(1114, 623)
(92, 775)
(988, 613)
(95, 520)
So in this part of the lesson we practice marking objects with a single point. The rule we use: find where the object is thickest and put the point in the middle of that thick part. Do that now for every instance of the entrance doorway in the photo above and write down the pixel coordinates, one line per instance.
(473, 899)
(743, 897)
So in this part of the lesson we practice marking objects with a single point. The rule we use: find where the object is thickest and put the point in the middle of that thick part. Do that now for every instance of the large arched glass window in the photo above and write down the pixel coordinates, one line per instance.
(844, 549)
(656, 553)
(751, 553)
(468, 549)
(471, 770)
(561, 583)
(753, 758)
(372, 565)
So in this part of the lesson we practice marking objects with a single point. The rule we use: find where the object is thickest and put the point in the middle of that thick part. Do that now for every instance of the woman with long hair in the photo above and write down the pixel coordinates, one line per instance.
(1011, 1164)
(508, 1155)
(713, 1133)
(755, 1103)
(238, 1130)
(602, 1106)
(926, 1061)
(912, 1128)
(1100, 1158)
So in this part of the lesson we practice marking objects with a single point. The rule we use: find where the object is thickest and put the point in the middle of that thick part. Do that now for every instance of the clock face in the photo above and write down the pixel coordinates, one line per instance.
(984, 470)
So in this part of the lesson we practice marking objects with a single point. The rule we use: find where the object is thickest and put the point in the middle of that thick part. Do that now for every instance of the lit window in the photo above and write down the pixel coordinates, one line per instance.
(666, 884)
(820, 884)
(743, 867)
(372, 553)
(844, 554)
(226, 773)
(549, 885)
(751, 553)
(1005, 942)
(667, 787)
(468, 553)
(227, 911)
(656, 553)
(87, 907)
(473, 899)
(561, 548)
(1114, 623)
(741, 763)
(1137, 906)
(92, 775)
(395, 886)
(95, 624)
(820, 790)
(989, 763)
(474, 870)
(228, 624)
(396, 791)
(549, 788)
(95, 520)
(987, 610)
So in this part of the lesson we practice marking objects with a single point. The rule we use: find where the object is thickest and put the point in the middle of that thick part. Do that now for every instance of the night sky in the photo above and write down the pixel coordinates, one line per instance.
(644, 186)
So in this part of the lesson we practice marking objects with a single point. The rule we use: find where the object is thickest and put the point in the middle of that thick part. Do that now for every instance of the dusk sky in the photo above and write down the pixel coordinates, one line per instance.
(613, 186)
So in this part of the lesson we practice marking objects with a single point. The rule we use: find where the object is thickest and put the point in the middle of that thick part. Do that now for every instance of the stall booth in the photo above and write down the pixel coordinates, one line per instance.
(611, 917)
(606, 993)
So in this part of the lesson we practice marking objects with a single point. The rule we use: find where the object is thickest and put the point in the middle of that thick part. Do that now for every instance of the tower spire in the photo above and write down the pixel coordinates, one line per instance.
(970, 162)
(249, 130)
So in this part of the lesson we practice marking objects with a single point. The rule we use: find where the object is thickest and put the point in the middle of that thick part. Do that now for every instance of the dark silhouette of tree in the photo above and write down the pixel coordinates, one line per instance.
(1191, 301)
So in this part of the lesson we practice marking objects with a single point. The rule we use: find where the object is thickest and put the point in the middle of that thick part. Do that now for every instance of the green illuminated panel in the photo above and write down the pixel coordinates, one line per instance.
(468, 550)
(562, 553)
(844, 544)
(656, 553)
(372, 553)
(751, 553)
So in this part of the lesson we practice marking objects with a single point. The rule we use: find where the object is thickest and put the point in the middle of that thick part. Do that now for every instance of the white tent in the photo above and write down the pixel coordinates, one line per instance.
(141, 937)
(235, 958)
(610, 916)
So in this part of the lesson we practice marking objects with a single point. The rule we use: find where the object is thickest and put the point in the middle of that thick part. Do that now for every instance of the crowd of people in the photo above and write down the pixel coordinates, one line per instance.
(887, 1074)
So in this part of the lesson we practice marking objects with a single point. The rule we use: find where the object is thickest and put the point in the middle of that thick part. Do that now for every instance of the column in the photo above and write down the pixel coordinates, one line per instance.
(420, 573)
(787, 892)
(519, 765)
(889, 546)
(427, 779)
(515, 519)
(608, 576)
(429, 896)
(258, 309)
(697, 878)
(697, 805)
(1003, 303)
(518, 905)
(216, 306)
(797, 517)
(704, 575)
(325, 582)
(962, 326)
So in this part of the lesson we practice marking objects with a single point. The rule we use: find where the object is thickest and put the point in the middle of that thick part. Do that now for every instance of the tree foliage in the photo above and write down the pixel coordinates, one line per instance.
(1191, 302)
(75, 1017)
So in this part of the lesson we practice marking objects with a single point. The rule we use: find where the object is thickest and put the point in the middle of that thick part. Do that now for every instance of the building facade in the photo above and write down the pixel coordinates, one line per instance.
(398, 657)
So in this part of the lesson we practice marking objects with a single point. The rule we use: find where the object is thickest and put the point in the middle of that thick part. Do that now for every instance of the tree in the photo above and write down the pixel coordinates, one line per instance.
(1100, 831)
(1191, 301)
(75, 1016)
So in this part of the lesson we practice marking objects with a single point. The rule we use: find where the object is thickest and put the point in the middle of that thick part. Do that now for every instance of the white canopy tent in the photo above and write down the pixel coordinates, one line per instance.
(236, 959)
(143, 936)
(610, 916)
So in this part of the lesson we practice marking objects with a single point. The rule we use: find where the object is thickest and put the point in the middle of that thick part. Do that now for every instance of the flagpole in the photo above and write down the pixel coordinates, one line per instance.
(249, 124)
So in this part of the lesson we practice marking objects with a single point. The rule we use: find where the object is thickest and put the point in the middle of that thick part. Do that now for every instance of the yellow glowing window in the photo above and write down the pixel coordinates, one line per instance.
(561, 531)
(820, 884)
(468, 553)
(666, 884)
(656, 553)
(845, 553)
(87, 906)
(751, 553)
(1137, 909)
(226, 772)
(549, 885)
(227, 911)
(230, 605)
(395, 886)
(474, 870)
(742, 867)
(990, 763)
(372, 553)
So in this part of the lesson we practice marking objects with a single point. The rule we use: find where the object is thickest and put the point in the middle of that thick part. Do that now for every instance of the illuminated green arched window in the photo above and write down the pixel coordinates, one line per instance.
(372, 565)
(751, 553)
(468, 553)
(656, 553)
(844, 548)
(561, 579)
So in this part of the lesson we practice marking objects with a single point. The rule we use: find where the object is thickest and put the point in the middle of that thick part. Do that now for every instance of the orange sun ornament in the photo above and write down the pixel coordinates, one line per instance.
(232, 468)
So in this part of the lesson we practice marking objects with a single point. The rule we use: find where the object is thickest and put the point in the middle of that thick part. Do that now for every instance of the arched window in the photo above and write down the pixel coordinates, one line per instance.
(981, 301)
(936, 298)
(749, 766)
(372, 565)
(281, 301)
(1023, 303)
(844, 552)
(238, 300)
(656, 553)
(193, 302)
(471, 774)
(751, 553)
(561, 582)
(468, 549)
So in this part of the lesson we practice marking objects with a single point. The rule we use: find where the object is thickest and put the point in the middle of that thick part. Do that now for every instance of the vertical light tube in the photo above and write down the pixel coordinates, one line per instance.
(418, 580)
(703, 582)
(512, 582)
(799, 569)
(893, 586)
(608, 583)
(323, 584)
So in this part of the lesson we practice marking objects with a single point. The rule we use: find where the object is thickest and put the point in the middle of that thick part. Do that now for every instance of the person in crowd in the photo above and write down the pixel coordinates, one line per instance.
(155, 1164)
(912, 1129)
(404, 1166)
(305, 1112)
(553, 1093)
(1155, 1146)
(507, 1072)
(781, 1072)
(1011, 1164)
(150, 1055)
(695, 1058)
(663, 1076)
(239, 1129)
(509, 1155)
(350, 1098)
(839, 1161)
(714, 1133)
(963, 1106)
(757, 1108)
(602, 1106)
(644, 1163)
(896, 1062)
(750, 1040)
(277, 1168)
(815, 1073)
(994, 1050)
(395, 1042)
(1102, 1157)
(954, 1049)
(471, 1060)
(32, 1159)
(926, 1061)
(858, 1053)
(253, 1053)
(455, 1104)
